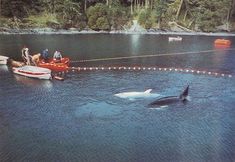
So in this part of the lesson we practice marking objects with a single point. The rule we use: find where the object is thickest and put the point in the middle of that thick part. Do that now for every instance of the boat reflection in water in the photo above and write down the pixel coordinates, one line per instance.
(31, 82)
(3, 68)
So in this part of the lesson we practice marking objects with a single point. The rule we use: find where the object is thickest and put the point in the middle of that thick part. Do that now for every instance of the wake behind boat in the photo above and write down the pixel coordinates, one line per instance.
(33, 72)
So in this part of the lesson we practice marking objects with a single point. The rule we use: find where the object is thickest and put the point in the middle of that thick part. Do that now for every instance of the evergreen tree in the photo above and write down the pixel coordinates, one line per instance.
(98, 17)
(212, 13)
(161, 9)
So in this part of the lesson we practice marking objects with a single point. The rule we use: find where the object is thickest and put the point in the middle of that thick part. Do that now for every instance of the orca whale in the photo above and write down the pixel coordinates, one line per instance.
(165, 101)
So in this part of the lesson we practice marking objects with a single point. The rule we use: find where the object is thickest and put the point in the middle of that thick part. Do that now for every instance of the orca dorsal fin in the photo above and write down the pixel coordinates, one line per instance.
(184, 95)
(148, 91)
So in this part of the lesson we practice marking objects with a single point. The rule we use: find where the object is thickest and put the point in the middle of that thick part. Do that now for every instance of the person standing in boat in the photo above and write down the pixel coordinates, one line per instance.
(45, 55)
(25, 55)
(57, 56)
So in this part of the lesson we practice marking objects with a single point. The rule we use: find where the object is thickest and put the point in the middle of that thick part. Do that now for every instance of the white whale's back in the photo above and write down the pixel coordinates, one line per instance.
(134, 95)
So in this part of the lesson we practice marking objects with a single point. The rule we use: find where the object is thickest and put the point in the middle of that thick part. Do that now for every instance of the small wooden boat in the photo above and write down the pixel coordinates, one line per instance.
(33, 72)
(223, 42)
(55, 65)
(178, 38)
(3, 60)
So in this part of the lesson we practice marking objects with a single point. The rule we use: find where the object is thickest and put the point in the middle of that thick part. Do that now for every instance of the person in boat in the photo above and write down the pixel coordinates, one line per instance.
(36, 58)
(27, 57)
(45, 55)
(57, 56)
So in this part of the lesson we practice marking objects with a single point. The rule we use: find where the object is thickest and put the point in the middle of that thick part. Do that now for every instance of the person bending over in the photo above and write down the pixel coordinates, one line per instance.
(57, 56)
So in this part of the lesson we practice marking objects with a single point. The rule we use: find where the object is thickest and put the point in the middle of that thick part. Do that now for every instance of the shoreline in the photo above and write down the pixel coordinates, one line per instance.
(50, 31)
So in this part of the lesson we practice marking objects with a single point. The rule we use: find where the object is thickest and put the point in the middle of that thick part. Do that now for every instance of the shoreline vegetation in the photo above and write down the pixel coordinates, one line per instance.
(184, 17)
(48, 31)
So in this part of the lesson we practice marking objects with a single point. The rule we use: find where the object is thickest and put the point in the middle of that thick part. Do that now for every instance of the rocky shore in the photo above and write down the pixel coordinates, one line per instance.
(7, 31)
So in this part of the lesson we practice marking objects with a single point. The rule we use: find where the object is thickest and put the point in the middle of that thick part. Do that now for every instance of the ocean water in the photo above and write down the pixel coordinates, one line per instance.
(80, 119)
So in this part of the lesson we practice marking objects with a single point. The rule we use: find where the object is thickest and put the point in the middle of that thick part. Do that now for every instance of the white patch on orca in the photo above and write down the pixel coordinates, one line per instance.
(159, 108)
(135, 95)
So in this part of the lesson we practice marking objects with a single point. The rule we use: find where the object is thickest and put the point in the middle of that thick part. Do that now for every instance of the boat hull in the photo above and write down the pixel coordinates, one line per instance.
(3, 60)
(170, 39)
(33, 72)
(222, 42)
(54, 65)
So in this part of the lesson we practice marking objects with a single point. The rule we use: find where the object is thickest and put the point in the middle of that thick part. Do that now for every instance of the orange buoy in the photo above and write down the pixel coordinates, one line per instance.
(222, 42)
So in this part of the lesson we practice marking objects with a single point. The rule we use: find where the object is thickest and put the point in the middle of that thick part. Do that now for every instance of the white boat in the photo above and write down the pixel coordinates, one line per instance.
(178, 38)
(3, 60)
(33, 72)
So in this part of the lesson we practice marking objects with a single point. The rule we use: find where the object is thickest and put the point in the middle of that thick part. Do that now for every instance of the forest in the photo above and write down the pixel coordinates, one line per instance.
(107, 15)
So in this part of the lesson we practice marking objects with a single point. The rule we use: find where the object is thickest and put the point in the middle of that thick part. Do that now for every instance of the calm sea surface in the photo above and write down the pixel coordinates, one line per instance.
(81, 120)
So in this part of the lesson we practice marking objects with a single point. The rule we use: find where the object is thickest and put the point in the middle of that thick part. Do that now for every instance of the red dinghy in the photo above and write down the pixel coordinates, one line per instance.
(55, 65)
(222, 42)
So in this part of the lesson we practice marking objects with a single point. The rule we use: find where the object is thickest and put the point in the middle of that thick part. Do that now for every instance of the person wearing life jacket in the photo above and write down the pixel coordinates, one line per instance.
(45, 55)
(57, 56)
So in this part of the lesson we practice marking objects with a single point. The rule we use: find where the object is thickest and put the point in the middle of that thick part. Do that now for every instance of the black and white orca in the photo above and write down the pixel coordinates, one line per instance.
(165, 101)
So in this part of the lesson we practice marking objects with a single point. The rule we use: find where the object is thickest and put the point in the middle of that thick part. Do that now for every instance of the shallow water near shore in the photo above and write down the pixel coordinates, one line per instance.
(80, 119)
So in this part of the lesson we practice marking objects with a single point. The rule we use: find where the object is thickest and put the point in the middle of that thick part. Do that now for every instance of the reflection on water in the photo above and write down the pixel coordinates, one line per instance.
(31, 82)
(4, 68)
(135, 43)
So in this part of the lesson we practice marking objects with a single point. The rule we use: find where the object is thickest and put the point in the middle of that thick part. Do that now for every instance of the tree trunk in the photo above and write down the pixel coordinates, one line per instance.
(131, 7)
(179, 9)
(135, 4)
(187, 7)
(85, 5)
(231, 11)
(159, 23)
(151, 5)
(53, 6)
(0, 8)
(185, 15)
(138, 5)
(230, 14)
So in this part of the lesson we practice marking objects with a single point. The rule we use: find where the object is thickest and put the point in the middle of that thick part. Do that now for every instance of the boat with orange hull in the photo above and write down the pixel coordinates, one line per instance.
(55, 65)
(222, 42)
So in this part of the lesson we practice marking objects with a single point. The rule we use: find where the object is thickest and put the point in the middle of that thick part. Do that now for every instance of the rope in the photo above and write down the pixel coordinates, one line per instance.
(154, 55)
(138, 68)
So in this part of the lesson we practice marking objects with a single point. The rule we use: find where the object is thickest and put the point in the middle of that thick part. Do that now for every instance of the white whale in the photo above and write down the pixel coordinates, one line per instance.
(135, 95)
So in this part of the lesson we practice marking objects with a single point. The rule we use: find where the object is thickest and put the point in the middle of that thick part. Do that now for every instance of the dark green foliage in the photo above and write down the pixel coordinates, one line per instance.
(119, 16)
(102, 23)
(98, 17)
(210, 14)
(20, 8)
(161, 9)
(206, 15)
(147, 18)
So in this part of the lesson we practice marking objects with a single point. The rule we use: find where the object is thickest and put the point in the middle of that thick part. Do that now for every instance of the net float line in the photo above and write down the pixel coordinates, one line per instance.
(153, 55)
(140, 68)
